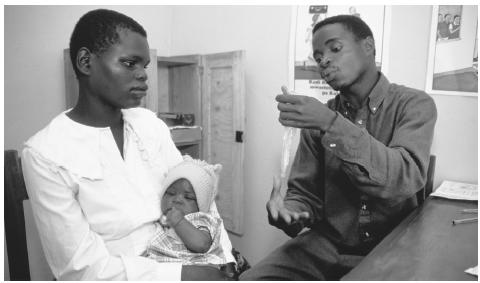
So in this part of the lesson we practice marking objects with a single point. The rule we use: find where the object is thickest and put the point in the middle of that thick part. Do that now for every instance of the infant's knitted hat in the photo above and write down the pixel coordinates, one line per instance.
(202, 176)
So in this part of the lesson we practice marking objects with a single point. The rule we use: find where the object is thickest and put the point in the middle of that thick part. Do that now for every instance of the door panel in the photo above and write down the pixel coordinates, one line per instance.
(223, 114)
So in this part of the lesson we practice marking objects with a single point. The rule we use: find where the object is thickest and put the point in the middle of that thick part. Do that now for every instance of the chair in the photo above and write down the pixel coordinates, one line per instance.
(15, 232)
(427, 190)
(15, 235)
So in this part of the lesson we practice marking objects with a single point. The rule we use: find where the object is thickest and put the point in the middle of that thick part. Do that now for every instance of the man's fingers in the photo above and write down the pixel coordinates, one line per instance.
(303, 215)
(285, 90)
(288, 116)
(277, 184)
(286, 107)
(291, 123)
(304, 218)
(292, 99)
(295, 216)
(285, 215)
(272, 210)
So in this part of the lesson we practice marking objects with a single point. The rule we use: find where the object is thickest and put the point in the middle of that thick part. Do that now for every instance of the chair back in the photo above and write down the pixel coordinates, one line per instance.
(15, 193)
(427, 190)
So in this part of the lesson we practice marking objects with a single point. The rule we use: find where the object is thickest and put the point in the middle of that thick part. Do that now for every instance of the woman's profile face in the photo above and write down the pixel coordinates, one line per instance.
(118, 76)
(180, 194)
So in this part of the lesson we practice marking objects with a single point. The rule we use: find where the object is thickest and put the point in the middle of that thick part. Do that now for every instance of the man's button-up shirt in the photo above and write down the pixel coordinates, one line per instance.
(359, 178)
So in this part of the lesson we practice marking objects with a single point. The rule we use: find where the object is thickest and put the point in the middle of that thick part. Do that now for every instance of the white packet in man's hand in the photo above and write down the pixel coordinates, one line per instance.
(288, 135)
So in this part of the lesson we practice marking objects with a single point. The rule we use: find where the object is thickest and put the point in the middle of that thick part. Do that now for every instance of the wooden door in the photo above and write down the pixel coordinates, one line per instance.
(223, 113)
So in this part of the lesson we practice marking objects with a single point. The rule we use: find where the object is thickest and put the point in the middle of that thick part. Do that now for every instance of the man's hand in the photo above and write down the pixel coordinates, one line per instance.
(174, 216)
(301, 111)
(283, 217)
(203, 273)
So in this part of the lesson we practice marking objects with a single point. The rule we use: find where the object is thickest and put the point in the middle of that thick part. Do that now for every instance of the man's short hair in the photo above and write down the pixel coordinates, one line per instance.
(352, 23)
(97, 30)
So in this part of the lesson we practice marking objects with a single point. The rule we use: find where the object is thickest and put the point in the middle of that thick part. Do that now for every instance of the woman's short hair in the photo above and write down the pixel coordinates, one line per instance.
(98, 29)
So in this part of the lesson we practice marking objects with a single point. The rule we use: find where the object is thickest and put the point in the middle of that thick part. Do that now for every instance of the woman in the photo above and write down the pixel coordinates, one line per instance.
(93, 173)
(454, 28)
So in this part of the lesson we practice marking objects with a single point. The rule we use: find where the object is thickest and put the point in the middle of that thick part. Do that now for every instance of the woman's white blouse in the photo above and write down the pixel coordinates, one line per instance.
(95, 211)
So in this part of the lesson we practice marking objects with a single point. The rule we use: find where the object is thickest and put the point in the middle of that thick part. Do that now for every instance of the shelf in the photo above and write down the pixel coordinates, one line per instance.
(173, 62)
(186, 136)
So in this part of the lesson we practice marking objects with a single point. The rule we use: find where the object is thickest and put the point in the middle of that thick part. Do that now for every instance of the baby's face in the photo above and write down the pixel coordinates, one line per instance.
(180, 194)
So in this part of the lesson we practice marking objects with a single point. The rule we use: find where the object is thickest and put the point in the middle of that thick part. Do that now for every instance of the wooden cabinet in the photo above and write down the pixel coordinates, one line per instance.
(179, 84)
(212, 87)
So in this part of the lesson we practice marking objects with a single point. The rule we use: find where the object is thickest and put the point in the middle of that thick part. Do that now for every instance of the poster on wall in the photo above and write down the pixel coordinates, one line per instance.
(453, 53)
(306, 78)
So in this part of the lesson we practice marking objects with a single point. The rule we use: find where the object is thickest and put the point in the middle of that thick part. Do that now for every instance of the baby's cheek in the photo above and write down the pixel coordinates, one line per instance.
(164, 205)
(192, 207)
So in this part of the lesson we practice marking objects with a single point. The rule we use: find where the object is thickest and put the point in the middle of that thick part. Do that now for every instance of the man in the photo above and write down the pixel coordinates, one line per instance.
(454, 28)
(360, 160)
(442, 28)
(93, 174)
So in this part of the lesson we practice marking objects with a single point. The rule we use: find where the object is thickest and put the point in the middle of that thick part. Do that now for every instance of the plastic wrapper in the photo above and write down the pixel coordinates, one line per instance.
(287, 144)
(288, 135)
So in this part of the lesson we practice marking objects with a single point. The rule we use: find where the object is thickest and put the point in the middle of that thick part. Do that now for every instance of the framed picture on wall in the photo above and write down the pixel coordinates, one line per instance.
(453, 52)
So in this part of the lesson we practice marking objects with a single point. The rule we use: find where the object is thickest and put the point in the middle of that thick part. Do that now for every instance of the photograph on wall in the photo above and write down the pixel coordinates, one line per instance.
(453, 53)
(449, 22)
(307, 80)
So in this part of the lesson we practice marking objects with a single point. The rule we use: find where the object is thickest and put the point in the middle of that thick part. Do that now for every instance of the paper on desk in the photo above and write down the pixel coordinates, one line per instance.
(456, 190)
(472, 270)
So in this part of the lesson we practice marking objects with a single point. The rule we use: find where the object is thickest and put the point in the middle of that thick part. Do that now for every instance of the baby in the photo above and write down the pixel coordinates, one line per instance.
(189, 232)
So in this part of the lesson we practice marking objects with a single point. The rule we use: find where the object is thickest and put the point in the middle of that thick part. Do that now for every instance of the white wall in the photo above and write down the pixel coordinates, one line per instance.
(34, 84)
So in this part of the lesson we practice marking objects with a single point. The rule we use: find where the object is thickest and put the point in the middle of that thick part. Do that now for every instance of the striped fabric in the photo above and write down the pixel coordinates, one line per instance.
(166, 246)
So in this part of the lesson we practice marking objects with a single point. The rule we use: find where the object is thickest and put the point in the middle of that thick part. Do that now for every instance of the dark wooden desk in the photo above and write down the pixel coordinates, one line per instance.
(425, 246)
